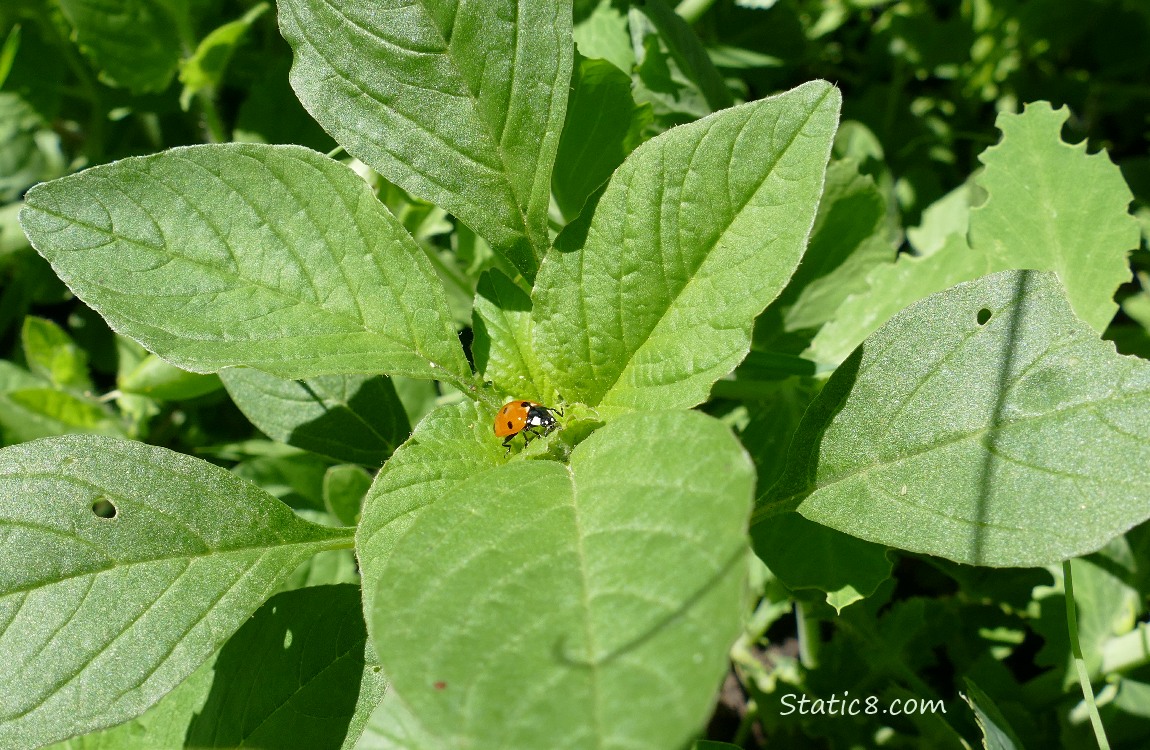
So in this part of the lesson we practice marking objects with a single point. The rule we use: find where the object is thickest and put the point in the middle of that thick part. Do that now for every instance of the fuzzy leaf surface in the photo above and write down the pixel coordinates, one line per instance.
(458, 103)
(274, 257)
(985, 424)
(650, 297)
(125, 567)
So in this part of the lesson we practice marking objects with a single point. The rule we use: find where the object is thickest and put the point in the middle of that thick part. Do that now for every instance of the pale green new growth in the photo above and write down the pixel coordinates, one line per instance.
(985, 424)
(647, 301)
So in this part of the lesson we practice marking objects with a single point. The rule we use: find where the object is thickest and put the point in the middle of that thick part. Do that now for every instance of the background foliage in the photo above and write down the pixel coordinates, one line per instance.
(983, 219)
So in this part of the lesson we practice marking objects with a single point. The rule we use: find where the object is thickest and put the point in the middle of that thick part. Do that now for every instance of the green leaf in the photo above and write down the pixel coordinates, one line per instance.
(344, 488)
(674, 73)
(847, 241)
(134, 43)
(8, 52)
(31, 413)
(460, 104)
(163, 726)
(890, 288)
(604, 35)
(594, 602)
(449, 445)
(298, 674)
(125, 567)
(204, 70)
(155, 378)
(985, 424)
(604, 125)
(354, 418)
(805, 555)
(243, 254)
(29, 149)
(649, 299)
(53, 355)
(996, 732)
(502, 346)
(1052, 207)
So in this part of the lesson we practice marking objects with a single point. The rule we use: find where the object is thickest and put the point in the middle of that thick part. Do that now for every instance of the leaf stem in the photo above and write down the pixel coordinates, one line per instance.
(1079, 662)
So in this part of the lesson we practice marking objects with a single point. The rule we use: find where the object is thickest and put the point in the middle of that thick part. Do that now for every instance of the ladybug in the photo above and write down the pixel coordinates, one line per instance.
(525, 417)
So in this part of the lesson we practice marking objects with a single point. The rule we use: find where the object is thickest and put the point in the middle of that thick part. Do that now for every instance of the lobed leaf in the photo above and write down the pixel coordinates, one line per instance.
(649, 298)
(985, 424)
(125, 567)
(273, 257)
(457, 103)
(1052, 207)
(593, 602)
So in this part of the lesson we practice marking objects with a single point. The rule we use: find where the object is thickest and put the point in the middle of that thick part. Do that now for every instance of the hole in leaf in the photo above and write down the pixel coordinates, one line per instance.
(103, 508)
(983, 316)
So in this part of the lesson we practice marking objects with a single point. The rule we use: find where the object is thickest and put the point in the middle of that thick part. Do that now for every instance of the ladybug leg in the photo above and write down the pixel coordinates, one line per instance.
(507, 444)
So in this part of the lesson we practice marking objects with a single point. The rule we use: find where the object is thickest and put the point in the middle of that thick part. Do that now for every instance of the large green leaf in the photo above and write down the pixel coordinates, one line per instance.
(125, 567)
(604, 124)
(356, 418)
(985, 424)
(593, 602)
(1052, 207)
(649, 298)
(243, 254)
(298, 674)
(458, 103)
(133, 43)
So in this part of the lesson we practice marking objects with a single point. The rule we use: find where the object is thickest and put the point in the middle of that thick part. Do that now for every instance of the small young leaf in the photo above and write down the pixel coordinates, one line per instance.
(31, 413)
(457, 103)
(594, 602)
(344, 488)
(204, 70)
(354, 418)
(299, 673)
(997, 733)
(502, 345)
(53, 355)
(985, 424)
(604, 35)
(125, 567)
(133, 43)
(1052, 207)
(649, 298)
(155, 378)
(273, 257)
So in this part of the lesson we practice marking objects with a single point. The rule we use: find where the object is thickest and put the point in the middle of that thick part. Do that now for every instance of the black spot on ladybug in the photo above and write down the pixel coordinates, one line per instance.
(509, 425)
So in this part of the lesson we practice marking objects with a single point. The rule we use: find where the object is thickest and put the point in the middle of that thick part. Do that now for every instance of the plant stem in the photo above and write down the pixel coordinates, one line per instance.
(1079, 662)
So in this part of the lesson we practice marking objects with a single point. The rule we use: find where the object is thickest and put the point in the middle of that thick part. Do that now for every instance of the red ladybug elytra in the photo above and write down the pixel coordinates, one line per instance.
(525, 417)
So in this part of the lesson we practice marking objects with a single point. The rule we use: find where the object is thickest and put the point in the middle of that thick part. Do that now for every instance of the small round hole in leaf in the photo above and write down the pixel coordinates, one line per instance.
(983, 316)
(103, 508)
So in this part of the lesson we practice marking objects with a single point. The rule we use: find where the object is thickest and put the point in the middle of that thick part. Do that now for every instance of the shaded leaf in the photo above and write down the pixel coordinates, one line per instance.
(133, 43)
(299, 673)
(985, 424)
(355, 418)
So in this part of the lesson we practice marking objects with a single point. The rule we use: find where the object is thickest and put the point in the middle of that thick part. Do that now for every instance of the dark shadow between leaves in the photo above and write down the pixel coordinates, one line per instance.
(345, 434)
(290, 677)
